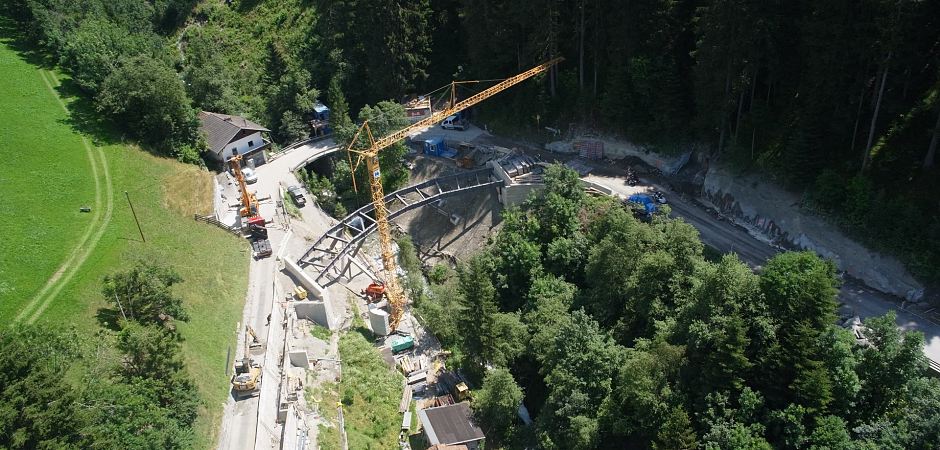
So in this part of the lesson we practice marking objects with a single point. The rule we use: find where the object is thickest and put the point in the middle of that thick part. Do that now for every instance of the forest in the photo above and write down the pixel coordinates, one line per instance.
(839, 101)
(123, 386)
(621, 334)
(615, 332)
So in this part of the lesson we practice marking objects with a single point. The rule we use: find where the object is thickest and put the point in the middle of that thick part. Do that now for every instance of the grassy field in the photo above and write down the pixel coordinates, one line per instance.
(45, 178)
(47, 175)
(326, 396)
(370, 393)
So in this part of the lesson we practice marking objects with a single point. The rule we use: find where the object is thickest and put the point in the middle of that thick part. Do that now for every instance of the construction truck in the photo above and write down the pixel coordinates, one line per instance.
(453, 383)
(258, 235)
(255, 224)
(247, 377)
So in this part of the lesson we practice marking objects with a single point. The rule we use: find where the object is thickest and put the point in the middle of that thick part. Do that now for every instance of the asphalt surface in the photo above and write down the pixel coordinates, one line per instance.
(241, 420)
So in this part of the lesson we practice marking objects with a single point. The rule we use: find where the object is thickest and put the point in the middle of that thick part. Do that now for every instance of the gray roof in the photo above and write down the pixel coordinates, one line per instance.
(221, 128)
(450, 424)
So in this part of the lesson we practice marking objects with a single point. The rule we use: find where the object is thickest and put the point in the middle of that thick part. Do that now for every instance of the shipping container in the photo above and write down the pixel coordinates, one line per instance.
(402, 343)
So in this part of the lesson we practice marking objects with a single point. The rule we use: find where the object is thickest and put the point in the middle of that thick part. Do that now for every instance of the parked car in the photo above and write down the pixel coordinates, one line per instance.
(454, 122)
(297, 195)
(250, 175)
(660, 198)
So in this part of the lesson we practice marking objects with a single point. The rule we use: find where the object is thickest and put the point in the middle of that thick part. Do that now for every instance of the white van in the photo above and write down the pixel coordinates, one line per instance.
(454, 123)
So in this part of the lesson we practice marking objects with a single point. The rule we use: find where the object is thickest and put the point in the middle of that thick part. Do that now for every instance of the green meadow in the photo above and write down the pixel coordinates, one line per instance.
(57, 159)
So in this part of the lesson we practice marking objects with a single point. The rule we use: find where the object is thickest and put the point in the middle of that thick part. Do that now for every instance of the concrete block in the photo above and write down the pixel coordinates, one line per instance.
(298, 358)
(378, 319)
(313, 288)
(318, 311)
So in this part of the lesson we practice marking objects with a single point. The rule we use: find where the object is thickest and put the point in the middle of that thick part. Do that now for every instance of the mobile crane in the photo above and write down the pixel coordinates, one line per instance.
(257, 229)
(393, 290)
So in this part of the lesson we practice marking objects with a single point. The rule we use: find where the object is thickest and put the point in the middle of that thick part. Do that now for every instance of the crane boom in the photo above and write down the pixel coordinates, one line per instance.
(249, 201)
(386, 141)
(396, 297)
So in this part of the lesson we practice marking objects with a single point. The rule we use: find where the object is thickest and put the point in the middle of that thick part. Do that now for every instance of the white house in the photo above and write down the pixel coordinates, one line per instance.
(226, 134)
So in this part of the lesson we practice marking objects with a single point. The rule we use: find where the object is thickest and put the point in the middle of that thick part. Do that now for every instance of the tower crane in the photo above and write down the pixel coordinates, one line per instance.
(396, 297)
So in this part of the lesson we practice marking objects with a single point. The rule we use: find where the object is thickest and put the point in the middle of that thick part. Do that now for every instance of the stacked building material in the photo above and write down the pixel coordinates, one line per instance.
(590, 148)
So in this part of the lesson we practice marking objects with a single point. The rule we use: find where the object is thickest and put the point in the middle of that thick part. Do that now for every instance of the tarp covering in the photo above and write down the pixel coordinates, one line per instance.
(644, 200)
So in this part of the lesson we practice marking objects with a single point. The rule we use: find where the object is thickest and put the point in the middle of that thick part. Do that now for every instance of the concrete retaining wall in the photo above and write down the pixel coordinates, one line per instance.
(312, 287)
(516, 194)
(317, 307)
(777, 215)
(617, 149)
(318, 311)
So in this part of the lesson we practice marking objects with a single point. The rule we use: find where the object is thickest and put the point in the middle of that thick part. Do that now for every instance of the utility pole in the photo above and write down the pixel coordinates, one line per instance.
(135, 216)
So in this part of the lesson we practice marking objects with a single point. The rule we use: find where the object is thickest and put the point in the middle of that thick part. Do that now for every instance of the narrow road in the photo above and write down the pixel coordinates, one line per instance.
(242, 426)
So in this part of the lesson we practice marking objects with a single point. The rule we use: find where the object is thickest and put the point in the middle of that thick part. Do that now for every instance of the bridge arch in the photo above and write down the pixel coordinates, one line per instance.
(330, 253)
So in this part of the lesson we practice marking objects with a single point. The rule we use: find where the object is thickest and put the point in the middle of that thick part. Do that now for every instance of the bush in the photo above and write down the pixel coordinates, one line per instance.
(857, 205)
(189, 154)
(146, 98)
(440, 273)
(829, 191)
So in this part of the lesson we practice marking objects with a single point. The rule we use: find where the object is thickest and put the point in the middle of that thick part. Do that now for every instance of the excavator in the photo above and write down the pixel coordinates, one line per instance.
(390, 286)
(257, 229)
(375, 292)
(247, 377)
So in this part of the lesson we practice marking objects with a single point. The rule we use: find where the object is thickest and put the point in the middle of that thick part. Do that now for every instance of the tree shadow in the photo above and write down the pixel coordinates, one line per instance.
(175, 17)
(83, 117)
(247, 5)
(365, 332)
(15, 38)
(109, 318)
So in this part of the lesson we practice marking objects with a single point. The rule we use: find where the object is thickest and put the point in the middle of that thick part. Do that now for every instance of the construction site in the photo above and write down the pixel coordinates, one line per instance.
(315, 278)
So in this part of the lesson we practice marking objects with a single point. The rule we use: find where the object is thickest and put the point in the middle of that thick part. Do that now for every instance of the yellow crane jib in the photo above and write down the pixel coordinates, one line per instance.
(396, 296)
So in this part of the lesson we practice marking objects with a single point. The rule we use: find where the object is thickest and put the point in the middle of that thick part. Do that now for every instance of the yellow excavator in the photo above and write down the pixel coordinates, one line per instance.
(247, 377)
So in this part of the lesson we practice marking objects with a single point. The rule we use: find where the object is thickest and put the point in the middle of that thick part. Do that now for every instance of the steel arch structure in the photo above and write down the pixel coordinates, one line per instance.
(342, 240)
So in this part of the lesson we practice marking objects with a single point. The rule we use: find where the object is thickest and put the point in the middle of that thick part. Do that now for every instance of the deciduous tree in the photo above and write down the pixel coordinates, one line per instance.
(144, 294)
(496, 404)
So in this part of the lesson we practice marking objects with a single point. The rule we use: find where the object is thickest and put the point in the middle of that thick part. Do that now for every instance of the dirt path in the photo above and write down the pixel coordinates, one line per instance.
(93, 232)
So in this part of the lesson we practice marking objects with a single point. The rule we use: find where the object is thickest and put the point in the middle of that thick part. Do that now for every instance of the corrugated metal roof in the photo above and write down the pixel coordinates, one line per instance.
(450, 424)
(221, 128)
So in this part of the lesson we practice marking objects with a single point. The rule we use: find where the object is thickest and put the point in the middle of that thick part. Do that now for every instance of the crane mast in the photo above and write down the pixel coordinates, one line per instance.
(396, 296)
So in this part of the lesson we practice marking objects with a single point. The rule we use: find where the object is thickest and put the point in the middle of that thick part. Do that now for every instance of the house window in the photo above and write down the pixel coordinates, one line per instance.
(251, 144)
